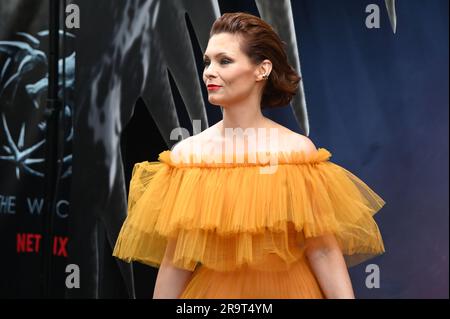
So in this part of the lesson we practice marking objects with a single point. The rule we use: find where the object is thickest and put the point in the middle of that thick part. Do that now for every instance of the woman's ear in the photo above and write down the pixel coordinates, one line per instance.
(264, 69)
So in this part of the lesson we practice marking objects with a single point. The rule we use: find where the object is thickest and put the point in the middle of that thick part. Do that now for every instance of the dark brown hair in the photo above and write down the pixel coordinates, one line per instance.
(260, 42)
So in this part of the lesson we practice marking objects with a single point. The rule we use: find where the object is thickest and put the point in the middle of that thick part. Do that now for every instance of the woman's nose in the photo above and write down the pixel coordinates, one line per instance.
(209, 71)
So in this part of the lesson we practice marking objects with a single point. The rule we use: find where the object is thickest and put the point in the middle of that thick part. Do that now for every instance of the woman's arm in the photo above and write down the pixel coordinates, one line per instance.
(327, 262)
(170, 281)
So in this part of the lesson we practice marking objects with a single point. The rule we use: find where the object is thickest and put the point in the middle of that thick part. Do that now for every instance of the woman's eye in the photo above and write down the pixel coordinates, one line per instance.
(224, 61)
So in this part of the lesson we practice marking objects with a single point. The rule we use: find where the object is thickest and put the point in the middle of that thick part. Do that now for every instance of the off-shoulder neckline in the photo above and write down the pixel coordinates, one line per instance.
(259, 158)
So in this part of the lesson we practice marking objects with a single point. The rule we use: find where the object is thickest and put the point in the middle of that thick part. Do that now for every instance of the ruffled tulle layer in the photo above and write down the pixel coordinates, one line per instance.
(227, 215)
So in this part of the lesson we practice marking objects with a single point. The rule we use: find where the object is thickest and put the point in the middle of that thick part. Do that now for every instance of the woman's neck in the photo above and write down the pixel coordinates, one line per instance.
(242, 119)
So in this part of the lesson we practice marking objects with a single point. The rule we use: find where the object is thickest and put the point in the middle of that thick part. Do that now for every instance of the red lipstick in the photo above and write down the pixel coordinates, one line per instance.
(213, 87)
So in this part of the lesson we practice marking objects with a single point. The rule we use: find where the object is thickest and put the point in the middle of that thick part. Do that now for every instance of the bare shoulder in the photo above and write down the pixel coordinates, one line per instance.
(187, 145)
(292, 141)
(183, 147)
(298, 142)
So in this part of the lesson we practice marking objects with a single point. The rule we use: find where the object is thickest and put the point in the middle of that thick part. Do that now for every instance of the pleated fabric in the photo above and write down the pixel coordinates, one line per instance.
(298, 282)
(243, 223)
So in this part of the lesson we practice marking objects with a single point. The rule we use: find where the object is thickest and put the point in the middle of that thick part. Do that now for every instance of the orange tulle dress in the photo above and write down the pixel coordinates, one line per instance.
(241, 226)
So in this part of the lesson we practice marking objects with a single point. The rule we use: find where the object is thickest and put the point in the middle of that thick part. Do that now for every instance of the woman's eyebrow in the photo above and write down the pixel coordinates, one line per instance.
(218, 54)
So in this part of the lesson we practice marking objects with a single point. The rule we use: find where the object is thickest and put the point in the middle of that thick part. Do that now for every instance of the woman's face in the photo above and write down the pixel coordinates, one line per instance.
(229, 68)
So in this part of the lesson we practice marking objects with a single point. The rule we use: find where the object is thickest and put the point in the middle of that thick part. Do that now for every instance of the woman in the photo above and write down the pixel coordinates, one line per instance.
(216, 224)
